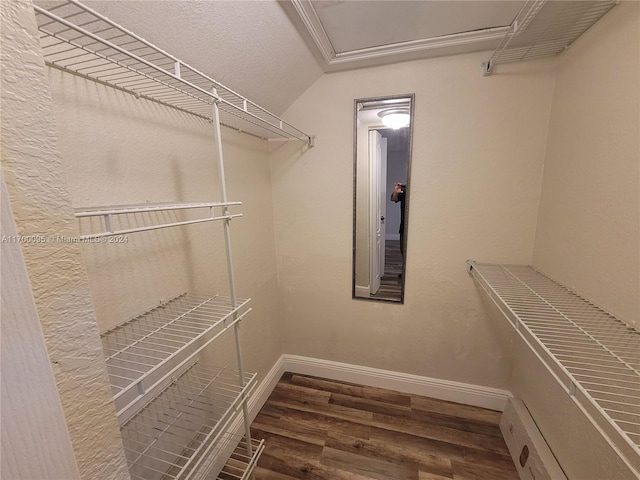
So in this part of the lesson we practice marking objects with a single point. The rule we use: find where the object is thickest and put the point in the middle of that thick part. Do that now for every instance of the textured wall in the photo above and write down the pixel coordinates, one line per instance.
(40, 200)
(588, 233)
(35, 441)
(476, 172)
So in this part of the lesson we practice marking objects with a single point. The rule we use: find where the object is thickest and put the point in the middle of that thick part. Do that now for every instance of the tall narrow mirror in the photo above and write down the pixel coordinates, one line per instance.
(382, 159)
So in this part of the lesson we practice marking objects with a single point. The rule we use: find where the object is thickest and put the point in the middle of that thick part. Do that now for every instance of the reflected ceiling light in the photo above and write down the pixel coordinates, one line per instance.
(395, 117)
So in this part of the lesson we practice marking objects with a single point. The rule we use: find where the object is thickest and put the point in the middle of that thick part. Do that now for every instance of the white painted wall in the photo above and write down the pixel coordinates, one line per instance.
(477, 166)
(32, 168)
(588, 235)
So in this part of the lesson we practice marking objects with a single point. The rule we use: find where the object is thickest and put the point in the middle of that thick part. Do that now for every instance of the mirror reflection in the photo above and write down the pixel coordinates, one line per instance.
(382, 158)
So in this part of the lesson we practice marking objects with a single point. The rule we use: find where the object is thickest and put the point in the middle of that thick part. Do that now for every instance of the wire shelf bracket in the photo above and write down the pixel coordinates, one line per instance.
(79, 40)
(543, 28)
(594, 355)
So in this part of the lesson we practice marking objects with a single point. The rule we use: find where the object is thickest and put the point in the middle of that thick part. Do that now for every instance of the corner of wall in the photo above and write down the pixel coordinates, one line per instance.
(43, 213)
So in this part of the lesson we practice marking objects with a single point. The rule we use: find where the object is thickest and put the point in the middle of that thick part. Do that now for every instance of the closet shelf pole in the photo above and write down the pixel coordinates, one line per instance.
(227, 237)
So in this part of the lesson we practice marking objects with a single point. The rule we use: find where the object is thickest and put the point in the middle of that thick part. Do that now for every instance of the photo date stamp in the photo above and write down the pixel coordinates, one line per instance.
(35, 239)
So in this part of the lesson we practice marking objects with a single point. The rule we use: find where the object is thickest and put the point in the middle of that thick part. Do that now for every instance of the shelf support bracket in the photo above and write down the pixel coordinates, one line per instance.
(488, 68)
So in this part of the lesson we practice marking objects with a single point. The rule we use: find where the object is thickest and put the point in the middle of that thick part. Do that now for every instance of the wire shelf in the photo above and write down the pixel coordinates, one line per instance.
(544, 28)
(118, 220)
(240, 464)
(79, 40)
(141, 352)
(173, 436)
(591, 352)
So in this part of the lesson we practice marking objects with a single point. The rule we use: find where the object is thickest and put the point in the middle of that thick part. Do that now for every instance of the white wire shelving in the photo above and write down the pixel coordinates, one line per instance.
(543, 28)
(77, 39)
(142, 352)
(173, 436)
(122, 220)
(240, 465)
(594, 355)
(179, 420)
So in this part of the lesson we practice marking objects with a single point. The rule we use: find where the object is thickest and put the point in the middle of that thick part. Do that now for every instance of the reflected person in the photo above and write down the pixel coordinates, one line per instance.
(398, 195)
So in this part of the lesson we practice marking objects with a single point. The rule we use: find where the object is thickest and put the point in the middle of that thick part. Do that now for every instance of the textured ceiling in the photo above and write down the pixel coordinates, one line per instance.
(263, 50)
(249, 46)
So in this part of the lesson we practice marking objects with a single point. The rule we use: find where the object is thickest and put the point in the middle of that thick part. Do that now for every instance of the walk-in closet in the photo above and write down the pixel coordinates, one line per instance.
(326, 240)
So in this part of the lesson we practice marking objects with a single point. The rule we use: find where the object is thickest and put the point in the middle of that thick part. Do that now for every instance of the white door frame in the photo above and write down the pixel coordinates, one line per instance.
(377, 207)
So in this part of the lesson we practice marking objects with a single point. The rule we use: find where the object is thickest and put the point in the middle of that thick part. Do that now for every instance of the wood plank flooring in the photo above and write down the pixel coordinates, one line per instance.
(391, 282)
(327, 430)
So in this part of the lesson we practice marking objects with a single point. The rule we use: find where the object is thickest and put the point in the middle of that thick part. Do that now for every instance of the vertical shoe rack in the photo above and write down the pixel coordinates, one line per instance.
(178, 417)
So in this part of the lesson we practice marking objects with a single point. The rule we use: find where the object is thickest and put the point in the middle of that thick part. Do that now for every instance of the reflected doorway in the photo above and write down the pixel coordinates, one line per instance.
(381, 171)
(395, 171)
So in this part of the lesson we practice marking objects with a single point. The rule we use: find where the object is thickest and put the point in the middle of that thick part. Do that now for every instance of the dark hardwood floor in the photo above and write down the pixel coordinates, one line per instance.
(326, 430)
(391, 282)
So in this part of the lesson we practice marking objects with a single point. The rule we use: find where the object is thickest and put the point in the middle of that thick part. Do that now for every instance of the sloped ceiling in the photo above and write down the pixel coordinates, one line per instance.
(250, 46)
(266, 50)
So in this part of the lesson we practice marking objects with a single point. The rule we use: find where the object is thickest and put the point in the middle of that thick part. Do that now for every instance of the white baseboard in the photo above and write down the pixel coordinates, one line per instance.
(261, 394)
(479, 396)
(392, 236)
(485, 397)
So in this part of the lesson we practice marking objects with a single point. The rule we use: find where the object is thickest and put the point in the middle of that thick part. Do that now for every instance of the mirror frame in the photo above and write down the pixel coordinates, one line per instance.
(357, 101)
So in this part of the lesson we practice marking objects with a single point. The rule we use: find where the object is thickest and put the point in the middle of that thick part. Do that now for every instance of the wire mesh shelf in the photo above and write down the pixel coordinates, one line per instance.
(592, 353)
(240, 463)
(174, 435)
(79, 40)
(543, 28)
(143, 351)
(122, 220)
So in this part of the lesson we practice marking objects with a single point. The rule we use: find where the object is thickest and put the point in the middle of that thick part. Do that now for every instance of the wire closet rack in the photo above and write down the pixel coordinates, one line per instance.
(159, 445)
(141, 351)
(543, 28)
(178, 419)
(79, 40)
(594, 355)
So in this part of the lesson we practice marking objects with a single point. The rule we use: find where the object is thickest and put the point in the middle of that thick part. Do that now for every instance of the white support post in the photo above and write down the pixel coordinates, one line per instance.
(232, 288)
